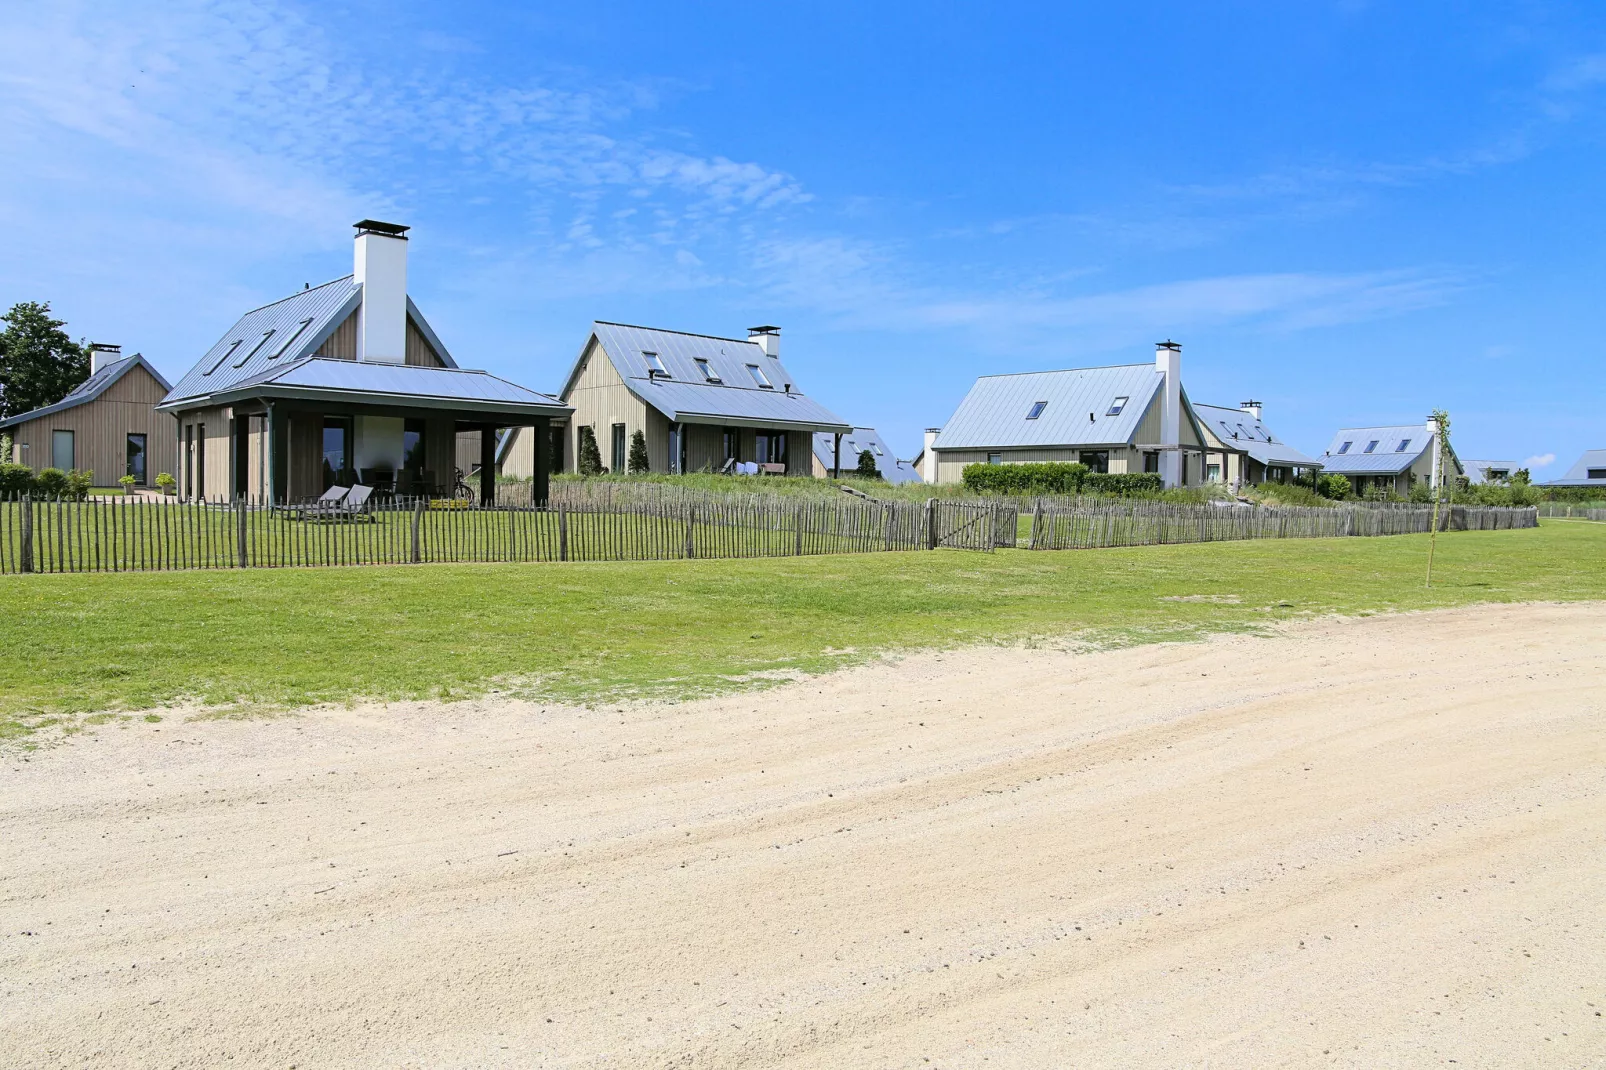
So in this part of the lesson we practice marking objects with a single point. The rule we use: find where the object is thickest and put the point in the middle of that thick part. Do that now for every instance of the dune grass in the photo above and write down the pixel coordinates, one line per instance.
(276, 639)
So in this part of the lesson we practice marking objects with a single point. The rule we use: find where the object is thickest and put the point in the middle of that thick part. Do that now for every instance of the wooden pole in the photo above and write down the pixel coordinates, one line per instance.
(27, 533)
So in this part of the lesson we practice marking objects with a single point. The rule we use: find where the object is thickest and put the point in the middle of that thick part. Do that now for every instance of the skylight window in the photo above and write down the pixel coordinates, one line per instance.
(290, 341)
(1227, 431)
(1116, 406)
(1404, 445)
(759, 378)
(229, 353)
(877, 447)
(1345, 447)
(1370, 446)
(254, 349)
(708, 372)
(655, 364)
(1037, 409)
(1246, 431)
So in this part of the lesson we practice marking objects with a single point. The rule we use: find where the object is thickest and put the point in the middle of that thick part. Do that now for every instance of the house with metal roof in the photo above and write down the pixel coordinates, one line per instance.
(1240, 449)
(834, 453)
(1490, 471)
(1126, 418)
(1589, 471)
(1390, 458)
(341, 383)
(701, 402)
(107, 424)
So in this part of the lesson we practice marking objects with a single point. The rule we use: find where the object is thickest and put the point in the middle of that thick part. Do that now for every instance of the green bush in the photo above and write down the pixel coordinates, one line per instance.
(166, 482)
(867, 468)
(589, 461)
(78, 484)
(637, 462)
(1574, 495)
(15, 479)
(1123, 484)
(1041, 478)
(1333, 487)
(51, 482)
(1285, 494)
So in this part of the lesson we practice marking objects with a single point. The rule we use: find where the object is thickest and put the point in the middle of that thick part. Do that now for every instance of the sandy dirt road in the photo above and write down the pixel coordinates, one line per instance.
(1376, 843)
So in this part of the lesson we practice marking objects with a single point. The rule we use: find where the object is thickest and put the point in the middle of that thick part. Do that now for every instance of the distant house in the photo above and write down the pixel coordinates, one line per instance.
(1590, 471)
(1239, 449)
(1490, 471)
(855, 443)
(107, 425)
(340, 383)
(1126, 418)
(1391, 458)
(699, 400)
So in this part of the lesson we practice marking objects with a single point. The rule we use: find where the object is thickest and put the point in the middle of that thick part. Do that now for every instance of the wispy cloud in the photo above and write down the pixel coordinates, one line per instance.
(1542, 460)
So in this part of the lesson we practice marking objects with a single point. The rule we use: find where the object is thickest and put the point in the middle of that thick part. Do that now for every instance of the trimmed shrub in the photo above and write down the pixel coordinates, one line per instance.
(867, 468)
(15, 479)
(1334, 487)
(78, 484)
(1042, 478)
(589, 461)
(1122, 484)
(51, 482)
(637, 461)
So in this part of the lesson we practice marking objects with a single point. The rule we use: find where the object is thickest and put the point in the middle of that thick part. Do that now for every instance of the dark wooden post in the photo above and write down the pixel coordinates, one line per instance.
(27, 533)
(278, 456)
(1037, 520)
(931, 523)
(836, 460)
(487, 466)
(540, 487)
(239, 532)
(418, 520)
(563, 534)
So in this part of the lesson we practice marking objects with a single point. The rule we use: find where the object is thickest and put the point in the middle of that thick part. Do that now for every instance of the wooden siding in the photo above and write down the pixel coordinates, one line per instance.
(342, 344)
(419, 352)
(601, 399)
(208, 473)
(101, 428)
(305, 461)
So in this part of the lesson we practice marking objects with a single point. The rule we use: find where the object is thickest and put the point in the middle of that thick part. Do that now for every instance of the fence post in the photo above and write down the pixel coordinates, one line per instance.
(797, 530)
(691, 523)
(887, 541)
(1037, 518)
(26, 556)
(931, 523)
(417, 554)
(563, 533)
(239, 533)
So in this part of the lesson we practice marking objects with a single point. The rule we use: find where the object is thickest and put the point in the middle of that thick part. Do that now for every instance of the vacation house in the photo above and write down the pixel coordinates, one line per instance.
(1240, 449)
(1490, 471)
(1590, 471)
(342, 383)
(1127, 418)
(832, 452)
(1388, 459)
(701, 402)
(107, 425)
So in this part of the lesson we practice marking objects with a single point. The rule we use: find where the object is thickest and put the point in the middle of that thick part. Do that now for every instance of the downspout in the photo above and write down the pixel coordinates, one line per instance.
(836, 472)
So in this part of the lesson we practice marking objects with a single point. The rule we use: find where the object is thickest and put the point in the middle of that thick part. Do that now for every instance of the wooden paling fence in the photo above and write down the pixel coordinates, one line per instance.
(1089, 525)
(1562, 511)
(136, 535)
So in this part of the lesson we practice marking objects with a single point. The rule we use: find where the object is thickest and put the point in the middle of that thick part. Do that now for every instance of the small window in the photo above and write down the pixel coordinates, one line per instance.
(655, 364)
(226, 355)
(63, 452)
(1596, 473)
(1499, 473)
(1116, 406)
(290, 341)
(1345, 447)
(1227, 432)
(135, 459)
(1370, 446)
(1404, 445)
(877, 447)
(1246, 432)
(1036, 410)
(254, 349)
(708, 372)
(995, 458)
(759, 377)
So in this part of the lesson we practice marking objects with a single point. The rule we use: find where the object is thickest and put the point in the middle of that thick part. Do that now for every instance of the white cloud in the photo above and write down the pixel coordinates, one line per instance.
(1542, 460)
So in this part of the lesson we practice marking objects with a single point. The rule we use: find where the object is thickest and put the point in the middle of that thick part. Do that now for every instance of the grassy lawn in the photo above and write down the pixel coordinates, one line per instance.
(584, 632)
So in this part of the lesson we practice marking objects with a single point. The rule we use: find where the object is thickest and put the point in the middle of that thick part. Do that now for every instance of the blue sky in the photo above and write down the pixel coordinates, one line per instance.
(1355, 212)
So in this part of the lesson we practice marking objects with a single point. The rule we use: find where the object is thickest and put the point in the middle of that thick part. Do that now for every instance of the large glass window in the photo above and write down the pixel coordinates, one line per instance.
(63, 452)
(770, 447)
(729, 444)
(336, 452)
(1151, 461)
(1096, 460)
(558, 435)
(136, 459)
(189, 460)
(413, 446)
(618, 447)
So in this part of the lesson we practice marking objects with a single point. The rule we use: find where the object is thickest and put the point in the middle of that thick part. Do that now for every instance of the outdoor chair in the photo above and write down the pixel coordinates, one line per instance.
(355, 506)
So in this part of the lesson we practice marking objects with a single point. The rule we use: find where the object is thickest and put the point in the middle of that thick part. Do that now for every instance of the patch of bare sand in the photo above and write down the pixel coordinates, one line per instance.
(1373, 843)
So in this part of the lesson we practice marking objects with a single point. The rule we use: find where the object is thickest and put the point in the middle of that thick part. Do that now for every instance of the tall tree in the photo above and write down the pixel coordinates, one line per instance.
(39, 364)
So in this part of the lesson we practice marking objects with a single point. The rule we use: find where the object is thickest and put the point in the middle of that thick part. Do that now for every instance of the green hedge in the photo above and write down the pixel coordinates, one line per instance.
(1123, 484)
(1056, 478)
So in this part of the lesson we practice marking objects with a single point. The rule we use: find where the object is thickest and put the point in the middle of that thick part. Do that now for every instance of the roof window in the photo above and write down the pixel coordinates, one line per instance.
(290, 341)
(1345, 447)
(655, 364)
(759, 378)
(1227, 431)
(227, 354)
(708, 372)
(1117, 405)
(1247, 433)
(1595, 473)
(1037, 409)
(1404, 445)
(254, 349)
(1370, 446)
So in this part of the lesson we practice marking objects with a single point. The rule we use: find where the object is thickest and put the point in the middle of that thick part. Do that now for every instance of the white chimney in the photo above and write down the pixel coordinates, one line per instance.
(767, 338)
(381, 271)
(102, 354)
(1432, 428)
(1168, 362)
(1251, 407)
(928, 458)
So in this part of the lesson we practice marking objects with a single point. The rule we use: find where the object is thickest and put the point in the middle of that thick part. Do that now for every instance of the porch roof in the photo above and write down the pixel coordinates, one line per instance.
(398, 385)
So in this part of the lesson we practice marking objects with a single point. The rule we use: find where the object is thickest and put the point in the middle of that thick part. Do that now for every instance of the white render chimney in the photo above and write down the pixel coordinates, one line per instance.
(381, 271)
(102, 354)
(767, 338)
(1432, 428)
(1251, 407)
(928, 457)
(1168, 362)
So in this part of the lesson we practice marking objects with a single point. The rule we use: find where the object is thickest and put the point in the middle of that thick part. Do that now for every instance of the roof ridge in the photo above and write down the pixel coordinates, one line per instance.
(1060, 371)
(292, 297)
(671, 330)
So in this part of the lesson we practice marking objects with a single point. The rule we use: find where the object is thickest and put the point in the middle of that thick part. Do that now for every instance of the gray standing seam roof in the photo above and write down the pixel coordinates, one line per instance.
(1386, 459)
(90, 389)
(994, 412)
(1240, 430)
(856, 442)
(1477, 470)
(330, 376)
(280, 333)
(1578, 474)
(686, 394)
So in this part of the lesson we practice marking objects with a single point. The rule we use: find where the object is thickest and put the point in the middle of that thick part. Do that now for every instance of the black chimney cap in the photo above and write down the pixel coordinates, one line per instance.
(389, 230)
(766, 329)
(1168, 344)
